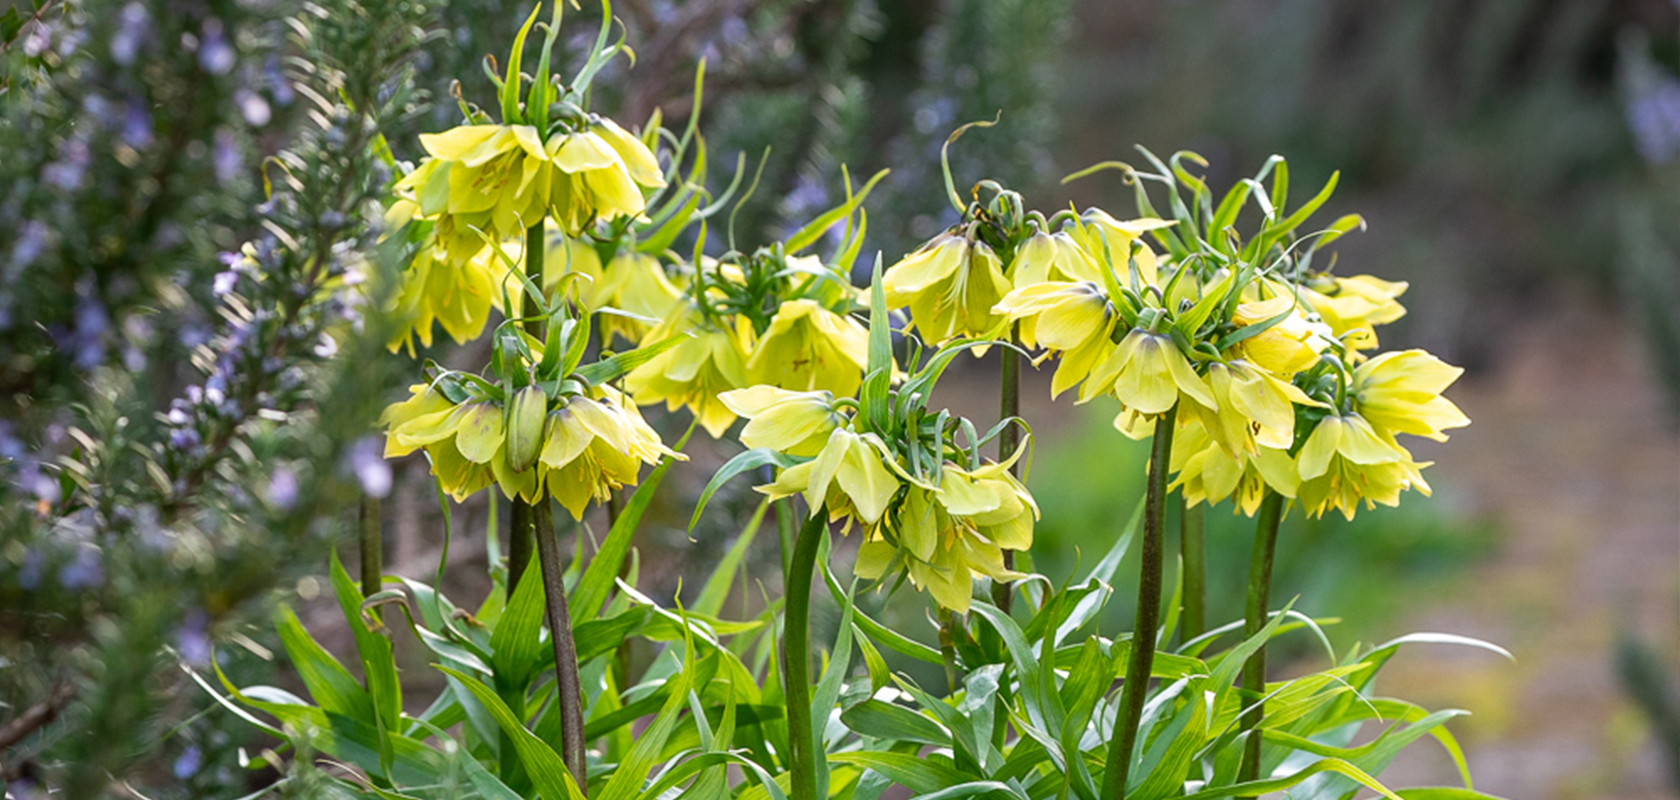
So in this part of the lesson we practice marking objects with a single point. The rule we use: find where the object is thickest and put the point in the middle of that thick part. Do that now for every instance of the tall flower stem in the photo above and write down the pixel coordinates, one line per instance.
(520, 523)
(535, 521)
(1142, 659)
(796, 652)
(568, 684)
(1259, 600)
(1009, 440)
(1192, 536)
(369, 538)
(520, 543)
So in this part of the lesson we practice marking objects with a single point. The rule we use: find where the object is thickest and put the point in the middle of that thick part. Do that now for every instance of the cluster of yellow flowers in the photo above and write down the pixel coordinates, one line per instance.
(1272, 390)
(942, 531)
(479, 191)
(808, 342)
(575, 447)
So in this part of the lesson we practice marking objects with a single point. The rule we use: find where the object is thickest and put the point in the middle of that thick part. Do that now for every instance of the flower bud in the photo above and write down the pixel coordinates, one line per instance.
(526, 416)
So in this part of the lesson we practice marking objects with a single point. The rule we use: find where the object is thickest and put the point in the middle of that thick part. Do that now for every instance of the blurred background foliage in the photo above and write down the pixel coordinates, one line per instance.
(1512, 155)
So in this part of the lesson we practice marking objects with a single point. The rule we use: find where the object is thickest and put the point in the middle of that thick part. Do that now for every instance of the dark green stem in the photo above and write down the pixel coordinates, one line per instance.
(1009, 440)
(1144, 632)
(369, 535)
(1193, 546)
(519, 522)
(520, 543)
(568, 685)
(796, 651)
(1259, 601)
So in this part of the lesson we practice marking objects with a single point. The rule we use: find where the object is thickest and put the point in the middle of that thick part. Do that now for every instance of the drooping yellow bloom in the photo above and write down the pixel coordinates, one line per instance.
(1111, 241)
(950, 285)
(1051, 257)
(795, 423)
(807, 347)
(1354, 306)
(1254, 409)
(456, 295)
(945, 537)
(849, 475)
(709, 361)
(480, 181)
(631, 282)
(599, 175)
(1345, 461)
(1400, 392)
(1148, 373)
(1074, 318)
(430, 420)
(1207, 473)
(595, 445)
(1290, 345)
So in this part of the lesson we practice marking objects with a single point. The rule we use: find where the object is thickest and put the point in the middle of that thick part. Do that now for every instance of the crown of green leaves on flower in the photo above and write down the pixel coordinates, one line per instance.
(935, 510)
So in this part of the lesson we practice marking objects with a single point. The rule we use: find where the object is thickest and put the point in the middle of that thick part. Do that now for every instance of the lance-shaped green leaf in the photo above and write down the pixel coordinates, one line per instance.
(597, 580)
(547, 771)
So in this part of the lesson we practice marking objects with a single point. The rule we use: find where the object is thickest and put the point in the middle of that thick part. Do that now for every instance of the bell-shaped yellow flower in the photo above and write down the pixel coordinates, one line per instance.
(946, 536)
(1400, 392)
(1207, 473)
(1354, 306)
(795, 423)
(1345, 461)
(1108, 240)
(631, 282)
(480, 178)
(599, 174)
(1073, 318)
(950, 285)
(807, 347)
(1148, 373)
(457, 295)
(849, 475)
(1290, 345)
(430, 421)
(711, 360)
(594, 446)
(1255, 409)
(1051, 257)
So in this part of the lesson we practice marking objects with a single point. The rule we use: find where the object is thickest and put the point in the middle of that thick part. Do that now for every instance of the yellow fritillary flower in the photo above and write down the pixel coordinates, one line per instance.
(599, 174)
(1400, 392)
(1287, 347)
(456, 295)
(479, 178)
(1255, 409)
(796, 423)
(1354, 306)
(807, 347)
(594, 446)
(711, 360)
(950, 285)
(946, 537)
(1148, 374)
(1108, 240)
(1051, 257)
(631, 282)
(1207, 473)
(1345, 461)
